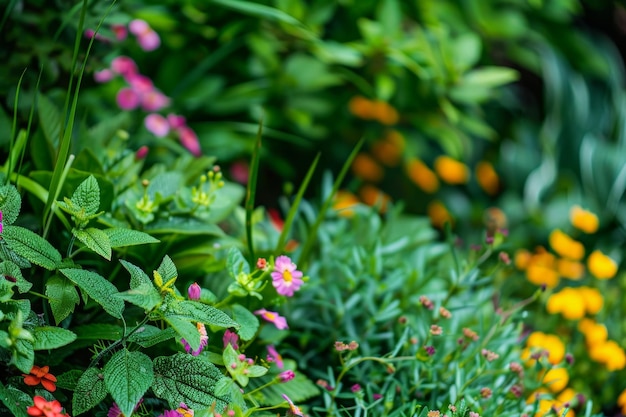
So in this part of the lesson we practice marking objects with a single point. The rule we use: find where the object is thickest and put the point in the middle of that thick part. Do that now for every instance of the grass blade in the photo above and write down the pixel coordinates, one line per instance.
(251, 192)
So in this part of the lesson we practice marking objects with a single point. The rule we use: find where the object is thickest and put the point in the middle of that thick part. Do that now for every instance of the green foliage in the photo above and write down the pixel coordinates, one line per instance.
(31, 246)
(98, 288)
(90, 391)
(127, 376)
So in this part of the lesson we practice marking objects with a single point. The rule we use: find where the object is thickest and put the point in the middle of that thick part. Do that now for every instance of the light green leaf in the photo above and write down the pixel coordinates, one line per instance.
(15, 400)
(120, 237)
(50, 337)
(62, 296)
(50, 120)
(195, 311)
(8, 268)
(31, 246)
(144, 296)
(96, 240)
(167, 269)
(188, 379)
(256, 371)
(150, 335)
(98, 331)
(90, 391)
(236, 263)
(98, 288)
(184, 226)
(127, 376)
(248, 321)
(24, 356)
(137, 276)
(10, 204)
(87, 196)
(185, 329)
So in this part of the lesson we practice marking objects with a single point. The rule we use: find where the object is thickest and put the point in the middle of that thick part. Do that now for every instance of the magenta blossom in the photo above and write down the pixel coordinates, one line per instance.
(141, 153)
(273, 317)
(147, 38)
(286, 376)
(103, 76)
(157, 125)
(194, 291)
(286, 278)
(274, 356)
(176, 121)
(124, 66)
(127, 99)
(140, 83)
(119, 31)
(231, 338)
(189, 140)
(154, 100)
(204, 340)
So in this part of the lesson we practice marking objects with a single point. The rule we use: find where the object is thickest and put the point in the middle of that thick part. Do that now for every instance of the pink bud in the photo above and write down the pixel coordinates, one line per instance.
(120, 32)
(141, 153)
(103, 76)
(189, 140)
(287, 375)
(194, 291)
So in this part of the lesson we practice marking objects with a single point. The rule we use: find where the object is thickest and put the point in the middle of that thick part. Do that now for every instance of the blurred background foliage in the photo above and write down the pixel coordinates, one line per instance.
(489, 114)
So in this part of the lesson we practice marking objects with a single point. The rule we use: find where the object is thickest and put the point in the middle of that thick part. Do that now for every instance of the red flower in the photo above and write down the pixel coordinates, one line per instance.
(41, 376)
(43, 408)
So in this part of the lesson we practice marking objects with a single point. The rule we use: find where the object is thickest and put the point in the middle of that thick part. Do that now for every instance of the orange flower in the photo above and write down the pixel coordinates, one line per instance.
(43, 408)
(601, 266)
(451, 170)
(522, 259)
(421, 175)
(570, 269)
(566, 246)
(372, 196)
(487, 177)
(343, 202)
(583, 220)
(542, 275)
(41, 376)
(361, 107)
(438, 214)
(385, 113)
(621, 401)
(388, 150)
(366, 168)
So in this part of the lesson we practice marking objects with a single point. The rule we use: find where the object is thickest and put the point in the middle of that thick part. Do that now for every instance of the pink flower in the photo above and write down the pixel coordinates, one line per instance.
(140, 83)
(240, 171)
(194, 290)
(124, 66)
(231, 338)
(176, 121)
(115, 411)
(141, 152)
(274, 356)
(204, 340)
(127, 99)
(119, 31)
(286, 278)
(273, 317)
(189, 140)
(103, 76)
(147, 38)
(90, 33)
(154, 100)
(157, 125)
(286, 376)
(355, 388)
(138, 27)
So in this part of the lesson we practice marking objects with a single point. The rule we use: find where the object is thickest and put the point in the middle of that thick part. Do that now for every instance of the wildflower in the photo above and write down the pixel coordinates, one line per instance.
(608, 353)
(451, 170)
(127, 99)
(124, 66)
(426, 302)
(231, 338)
(140, 83)
(569, 358)
(141, 153)
(340, 346)
(147, 38)
(366, 168)
(189, 140)
(377, 396)
(353, 345)
(438, 213)
(522, 259)
(372, 196)
(435, 330)
(473, 414)
(194, 291)
(343, 201)
(504, 258)
(43, 408)
(184, 411)
(154, 100)
(556, 379)
(261, 263)
(601, 266)
(119, 31)
(157, 125)
(285, 277)
(355, 388)
(595, 333)
(114, 411)
(570, 269)
(273, 317)
(487, 177)
(583, 220)
(621, 401)
(430, 350)
(517, 368)
(452, 408)
(489, 355)
(293, 409)
(388, 150)
(434, 413)
(592, 299)
(445, 313)
(569, 302)
(40, 375)
(286, 376)
(517, 390)
(421, 175)
(103, 75)
(204, 340)
(548, 342)
(385, 113)
(485, 392)
(274, 356)
(470, 334)
(565, 245)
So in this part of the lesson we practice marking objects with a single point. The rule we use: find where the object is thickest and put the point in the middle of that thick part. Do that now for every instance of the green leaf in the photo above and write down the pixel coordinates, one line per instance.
(96, 240)
(97, 331)
(195, 311)
(127, 376)
(68, 380)
(62, 296)
(185, 329)
(50, 120)
(167, 269)
(184, 226)
(31, 246)
(50, 337)
(137, 276)
(90, 391)
(25, 355)
(165, 185)
(188, 379)
(150, 335)
(144, 296)
(10, 269)
(10, 204)
(248, 321)
(236, 263)
(87, 196)
(15, 400)
(98, 288)
(120, 237)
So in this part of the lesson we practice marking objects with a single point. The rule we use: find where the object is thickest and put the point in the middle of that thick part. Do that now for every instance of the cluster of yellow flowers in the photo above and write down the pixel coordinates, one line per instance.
(599, 347)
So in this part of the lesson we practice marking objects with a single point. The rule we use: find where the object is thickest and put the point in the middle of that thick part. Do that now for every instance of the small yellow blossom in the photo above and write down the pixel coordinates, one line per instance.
(569, 302)
(549, 342)
(592, 298)
(388, 150)
(601, 266)
(556, 379)
(570, 269)
(583, 220)
(372, 196)
(450, 170)
(522, 259)
(608, 353)
(566, 246)
(621, 401)
(595, 333)
(343, 203)
(542, 275)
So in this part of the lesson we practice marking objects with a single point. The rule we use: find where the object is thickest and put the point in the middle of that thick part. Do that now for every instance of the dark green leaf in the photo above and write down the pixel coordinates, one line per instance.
(185, 329)
(167, 269)
(119, 237)
(87, 196)
(195, 311)
(144, 296)
(96, 240)
(62, 296)
(8, 268)
(49, 337)
(31, 246)
(10, 204)
(15, 400)
(98, 288)
(248, 321)
(137, 276)
(90, 391)
(149, 335)
(127, 376)
(236, 263)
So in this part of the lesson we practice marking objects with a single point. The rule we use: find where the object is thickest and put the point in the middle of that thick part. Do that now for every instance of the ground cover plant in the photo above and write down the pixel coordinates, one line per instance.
(165, 251)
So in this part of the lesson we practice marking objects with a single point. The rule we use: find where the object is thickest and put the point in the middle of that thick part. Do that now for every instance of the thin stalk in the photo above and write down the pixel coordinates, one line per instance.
(251, 192)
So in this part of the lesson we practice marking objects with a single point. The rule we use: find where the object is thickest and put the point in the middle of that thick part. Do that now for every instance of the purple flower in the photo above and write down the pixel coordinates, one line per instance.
(286, 278)
(274, 356)
(231, 338)
(204, 340)
(123, 66)
(120, 31)
(154, 100)
(103, 76)
(147, 38)
(141, 153)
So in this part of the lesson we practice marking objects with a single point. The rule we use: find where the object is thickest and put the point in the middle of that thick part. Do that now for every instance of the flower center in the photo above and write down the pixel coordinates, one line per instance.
(287, 276)
(270, 316)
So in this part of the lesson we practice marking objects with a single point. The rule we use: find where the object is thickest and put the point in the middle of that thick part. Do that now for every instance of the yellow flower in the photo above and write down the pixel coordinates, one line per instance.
(487, 177)
(621, 401)
(592, 298)
(451, 170)
(545, 401)
(570, 269)
(438, 213)
(541, 275)
(566, 246)
(595, 333)
(522, 259)
(421, 175)
(366, 168)
(569, 302)
(566, 397)
(583, 220)
(608, 353)
(601, 266)
(549, 342)
(556, 379)
(343, 202)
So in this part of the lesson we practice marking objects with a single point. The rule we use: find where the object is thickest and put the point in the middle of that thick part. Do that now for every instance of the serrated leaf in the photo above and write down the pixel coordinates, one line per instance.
(15, 400)
(236, 263)
(50, 337)
(185, 329)
(10, 269)
(9, 255)
(188, 379)
(167, 269)
(150, 336)
(137, 275)
(248, 321)
(195, 311)
(96, 240)
(90, 391)
(144, 296)
(87, 196)
(31, 246)
(127, 376)
(25, 355)
(98, 288)
(68, 380)
(10, 204)
(62, 296)
(120, 237)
